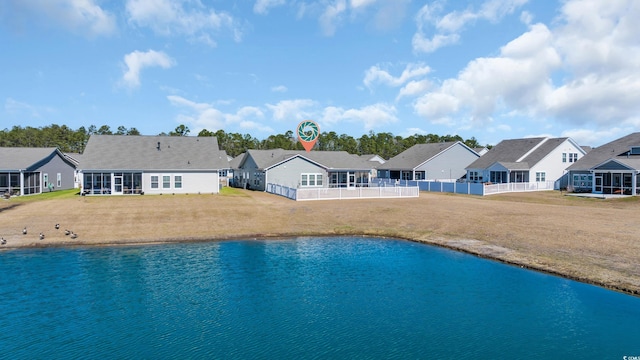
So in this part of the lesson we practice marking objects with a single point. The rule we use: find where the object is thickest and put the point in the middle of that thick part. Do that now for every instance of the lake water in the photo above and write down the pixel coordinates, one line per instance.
(319, 298)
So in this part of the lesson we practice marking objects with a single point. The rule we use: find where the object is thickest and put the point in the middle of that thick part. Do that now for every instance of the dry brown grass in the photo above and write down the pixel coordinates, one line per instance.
(591, 240)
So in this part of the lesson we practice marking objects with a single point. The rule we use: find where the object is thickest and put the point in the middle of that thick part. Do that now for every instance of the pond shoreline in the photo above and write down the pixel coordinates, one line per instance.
(544, 232)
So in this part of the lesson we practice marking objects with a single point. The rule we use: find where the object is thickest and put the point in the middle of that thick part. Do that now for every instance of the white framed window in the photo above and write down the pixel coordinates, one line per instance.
(564, 157)
(583, 180)
(310, 180)
(474, 176)
(166, 181)
(154, 181)
(45, 180)
(59, 180)
(177, 181)
(541, 176)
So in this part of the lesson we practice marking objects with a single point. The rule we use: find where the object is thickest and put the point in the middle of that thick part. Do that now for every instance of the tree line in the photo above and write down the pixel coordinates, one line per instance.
(384, 144)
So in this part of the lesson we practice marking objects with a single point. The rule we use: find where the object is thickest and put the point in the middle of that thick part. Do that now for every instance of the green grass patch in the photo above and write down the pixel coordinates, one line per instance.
(57, 194)
(231, 191)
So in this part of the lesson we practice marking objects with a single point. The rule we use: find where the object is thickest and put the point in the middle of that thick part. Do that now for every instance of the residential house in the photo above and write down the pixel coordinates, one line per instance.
(612, 168)
(128, 164)
(25, 171)
(538, 159)
(300, 169)
(431, 161)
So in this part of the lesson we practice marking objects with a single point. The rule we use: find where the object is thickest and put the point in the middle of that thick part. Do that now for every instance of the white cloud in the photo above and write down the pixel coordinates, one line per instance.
(80, 16)
(279, 88)
(201, 116)
(13, 106)
(297, 110)
(590, 137)
(583, 72)
(137, 60)
(358, 4)
(447, 28)
(518, 78)
(371, 116)
(180, 17)
(331, 16)
(376, 74)
(262, 6)
(414, 88)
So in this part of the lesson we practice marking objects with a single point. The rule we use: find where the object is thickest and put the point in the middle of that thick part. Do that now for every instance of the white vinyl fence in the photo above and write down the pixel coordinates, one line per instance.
(340, 193)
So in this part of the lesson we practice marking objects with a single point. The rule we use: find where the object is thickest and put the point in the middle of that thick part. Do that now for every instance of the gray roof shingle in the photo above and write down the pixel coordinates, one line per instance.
(415, 156)
(22, 158)
(329, 159)
(616, 149)
(510, 151)
(131, 152)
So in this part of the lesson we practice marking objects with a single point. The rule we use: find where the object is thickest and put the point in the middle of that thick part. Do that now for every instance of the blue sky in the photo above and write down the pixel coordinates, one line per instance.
(495, 69)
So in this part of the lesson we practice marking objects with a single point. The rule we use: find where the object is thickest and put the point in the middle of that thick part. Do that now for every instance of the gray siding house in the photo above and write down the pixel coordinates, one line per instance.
(432, 161)
(538, 159)
(613, 168)
(300, 169)
(128, 165)
(25, 171)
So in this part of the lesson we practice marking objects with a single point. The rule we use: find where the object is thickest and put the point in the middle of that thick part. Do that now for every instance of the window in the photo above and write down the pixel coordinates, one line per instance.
(573, 157)
(564, 157)
(541, 176)
(314, 180)
(154, 181)
(177, 181)
(46, 180)
(474, 176)
(166, 181)
(59, 180)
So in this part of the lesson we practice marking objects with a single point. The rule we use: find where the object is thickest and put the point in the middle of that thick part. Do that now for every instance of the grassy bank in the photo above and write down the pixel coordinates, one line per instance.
(591, 240)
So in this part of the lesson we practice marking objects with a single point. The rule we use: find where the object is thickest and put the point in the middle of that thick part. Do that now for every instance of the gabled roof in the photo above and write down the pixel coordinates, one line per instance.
(520, 154)
(616, 149)
(373, 158)
(235, 162)
(419, 154)
(335, 160)
(73, 158)
(22, 158)
(131, 152)
(632, 162)
(506, 151)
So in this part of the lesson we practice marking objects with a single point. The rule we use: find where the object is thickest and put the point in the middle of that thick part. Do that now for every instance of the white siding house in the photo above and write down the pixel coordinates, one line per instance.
(129, 165)
(525, 160)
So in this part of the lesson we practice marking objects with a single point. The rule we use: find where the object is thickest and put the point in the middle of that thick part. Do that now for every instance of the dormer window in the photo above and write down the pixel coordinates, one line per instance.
(635, 150)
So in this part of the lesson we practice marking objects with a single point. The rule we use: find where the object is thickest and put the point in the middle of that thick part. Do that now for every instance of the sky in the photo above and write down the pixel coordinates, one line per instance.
(493, 70)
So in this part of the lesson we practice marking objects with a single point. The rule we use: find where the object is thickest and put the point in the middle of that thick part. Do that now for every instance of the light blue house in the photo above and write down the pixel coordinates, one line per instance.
(300, 169)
